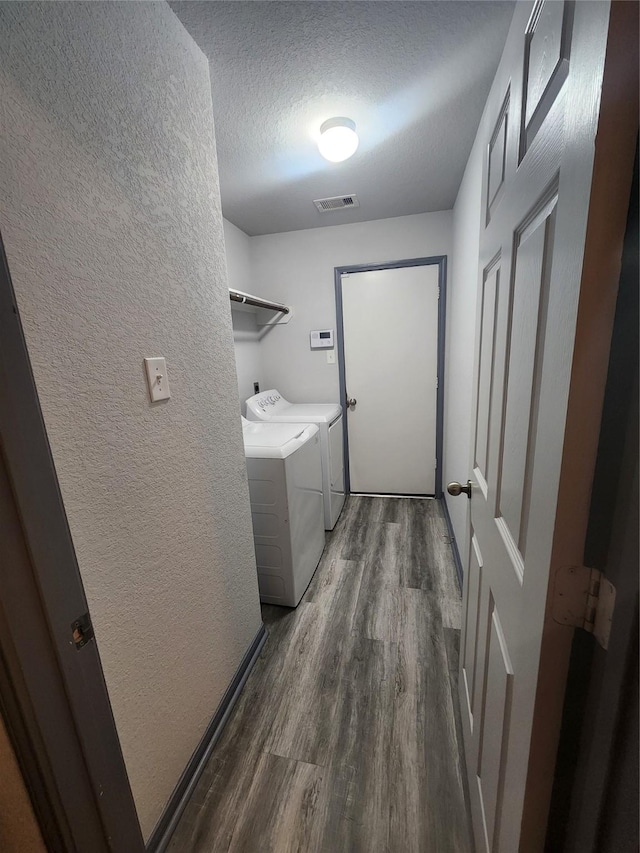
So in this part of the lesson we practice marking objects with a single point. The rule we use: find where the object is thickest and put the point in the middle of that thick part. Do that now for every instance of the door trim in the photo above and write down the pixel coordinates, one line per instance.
(441, 261)
(454, 544)
(53, 694)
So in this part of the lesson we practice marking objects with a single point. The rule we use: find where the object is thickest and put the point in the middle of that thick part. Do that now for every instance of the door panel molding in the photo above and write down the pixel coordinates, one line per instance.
(495, 725)
(546, 64)
(497, 158)
(441, 262)
(489, 301)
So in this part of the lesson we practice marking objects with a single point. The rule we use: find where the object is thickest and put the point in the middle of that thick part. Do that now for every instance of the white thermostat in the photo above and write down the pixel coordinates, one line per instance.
(321, 339)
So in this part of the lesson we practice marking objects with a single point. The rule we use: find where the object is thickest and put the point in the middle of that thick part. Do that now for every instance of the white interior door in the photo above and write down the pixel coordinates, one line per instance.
(390, 323)
(541, 356)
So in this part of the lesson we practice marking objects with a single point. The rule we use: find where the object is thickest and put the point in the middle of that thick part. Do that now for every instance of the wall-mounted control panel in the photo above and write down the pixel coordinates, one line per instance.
(157, 378)
(321, 339)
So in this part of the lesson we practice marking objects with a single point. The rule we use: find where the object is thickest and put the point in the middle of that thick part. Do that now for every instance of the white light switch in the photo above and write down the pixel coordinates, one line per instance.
(157, 378)
(331, 356)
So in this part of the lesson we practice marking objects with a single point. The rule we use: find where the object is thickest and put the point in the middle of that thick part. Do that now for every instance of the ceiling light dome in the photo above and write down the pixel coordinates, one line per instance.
(338, 139)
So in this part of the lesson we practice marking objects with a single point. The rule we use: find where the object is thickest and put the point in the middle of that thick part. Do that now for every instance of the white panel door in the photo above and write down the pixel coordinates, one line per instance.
(540, 355)
(390, 323)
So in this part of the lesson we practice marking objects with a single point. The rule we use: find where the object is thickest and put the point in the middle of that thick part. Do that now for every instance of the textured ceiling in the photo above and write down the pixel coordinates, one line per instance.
(414, 77)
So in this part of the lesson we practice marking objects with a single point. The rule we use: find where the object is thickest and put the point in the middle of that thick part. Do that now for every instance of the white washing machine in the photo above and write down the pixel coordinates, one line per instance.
(271, 406)
(287, 510)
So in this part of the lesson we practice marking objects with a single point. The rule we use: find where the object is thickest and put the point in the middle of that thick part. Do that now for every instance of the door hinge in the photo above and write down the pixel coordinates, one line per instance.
(584, 598)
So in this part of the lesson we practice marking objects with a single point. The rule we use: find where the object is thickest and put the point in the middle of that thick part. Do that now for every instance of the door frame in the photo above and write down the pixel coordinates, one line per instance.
(441, 262)
(53, 694)
(595, 778)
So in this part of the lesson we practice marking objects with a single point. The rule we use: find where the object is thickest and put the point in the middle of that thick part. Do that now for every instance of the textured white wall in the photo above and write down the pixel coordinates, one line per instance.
(111, 220)
(459, 354)
(246, 340)
(237, 246)
(246, 334)
(297, 268)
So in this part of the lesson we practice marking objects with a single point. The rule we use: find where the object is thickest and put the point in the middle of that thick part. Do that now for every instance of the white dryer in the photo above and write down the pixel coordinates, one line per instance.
(285, 488)
(271, 406)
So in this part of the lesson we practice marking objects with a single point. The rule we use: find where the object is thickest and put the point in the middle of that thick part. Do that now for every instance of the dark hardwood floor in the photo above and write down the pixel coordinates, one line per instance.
(346, 736)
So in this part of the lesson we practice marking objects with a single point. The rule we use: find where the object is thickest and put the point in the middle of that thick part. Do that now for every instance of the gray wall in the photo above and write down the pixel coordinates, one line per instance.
(297, 268)
(111, 219)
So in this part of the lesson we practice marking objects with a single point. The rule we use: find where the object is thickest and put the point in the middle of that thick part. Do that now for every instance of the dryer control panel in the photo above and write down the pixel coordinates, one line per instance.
(266, 401)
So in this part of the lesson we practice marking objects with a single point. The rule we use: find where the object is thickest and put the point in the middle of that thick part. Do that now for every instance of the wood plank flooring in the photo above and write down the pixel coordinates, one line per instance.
(346, 736)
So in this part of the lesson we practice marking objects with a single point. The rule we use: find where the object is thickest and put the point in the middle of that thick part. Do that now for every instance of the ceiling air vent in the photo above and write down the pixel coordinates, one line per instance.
(337, 202)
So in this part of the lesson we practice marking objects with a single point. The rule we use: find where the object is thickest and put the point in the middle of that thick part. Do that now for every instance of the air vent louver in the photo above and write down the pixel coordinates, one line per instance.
(338, 202)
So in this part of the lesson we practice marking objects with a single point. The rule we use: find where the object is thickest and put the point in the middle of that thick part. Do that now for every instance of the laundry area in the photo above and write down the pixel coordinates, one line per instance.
(318, 426)
(391, 454)
(360, 593)
(358, 676)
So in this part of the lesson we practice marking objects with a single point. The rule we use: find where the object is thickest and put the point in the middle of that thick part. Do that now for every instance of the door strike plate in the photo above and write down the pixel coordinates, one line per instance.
(82, 631)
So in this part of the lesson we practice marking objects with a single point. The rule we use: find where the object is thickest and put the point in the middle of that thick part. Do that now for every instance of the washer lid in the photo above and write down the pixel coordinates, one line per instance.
(271, 406)
(315, 413)
(275, 440)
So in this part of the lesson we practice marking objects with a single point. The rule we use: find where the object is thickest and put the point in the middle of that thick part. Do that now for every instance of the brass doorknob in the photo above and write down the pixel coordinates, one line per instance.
(456, 489)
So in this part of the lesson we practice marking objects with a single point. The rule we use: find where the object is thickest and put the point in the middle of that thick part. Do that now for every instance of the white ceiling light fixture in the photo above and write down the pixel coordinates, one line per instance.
(338, 139)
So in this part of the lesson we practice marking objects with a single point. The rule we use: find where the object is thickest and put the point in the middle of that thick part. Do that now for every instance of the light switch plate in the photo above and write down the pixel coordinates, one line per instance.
(331, 356)
(157, 378)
